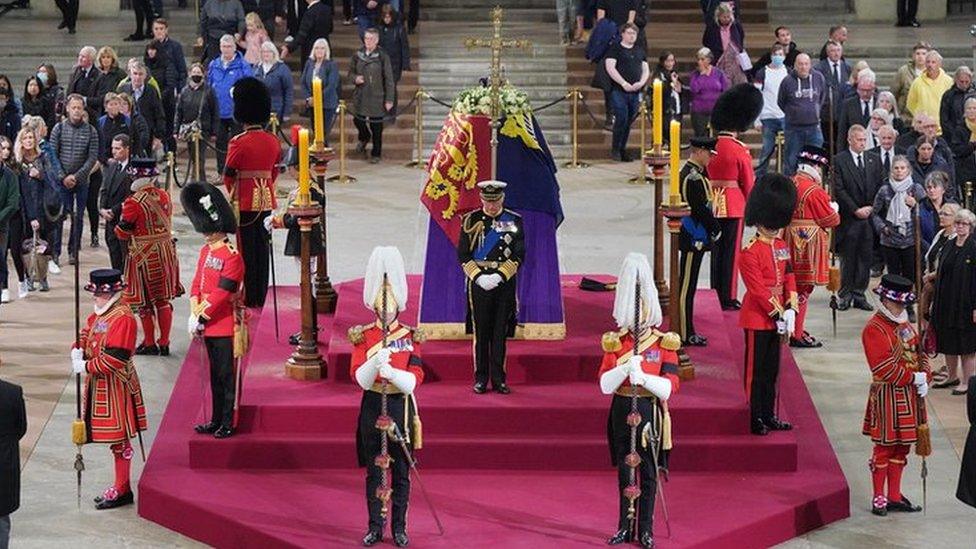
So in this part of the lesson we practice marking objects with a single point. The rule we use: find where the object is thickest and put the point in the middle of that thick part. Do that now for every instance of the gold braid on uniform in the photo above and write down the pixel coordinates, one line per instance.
(670, 341)
(611, 342)
(355, 334)
(419, 335)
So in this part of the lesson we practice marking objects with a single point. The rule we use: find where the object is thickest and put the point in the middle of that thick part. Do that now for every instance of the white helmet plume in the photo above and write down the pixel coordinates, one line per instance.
(635, 269)
(385, 259)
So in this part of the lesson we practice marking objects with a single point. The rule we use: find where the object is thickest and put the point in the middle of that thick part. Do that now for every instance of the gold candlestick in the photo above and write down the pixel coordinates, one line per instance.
(657, 160)
(674, 211)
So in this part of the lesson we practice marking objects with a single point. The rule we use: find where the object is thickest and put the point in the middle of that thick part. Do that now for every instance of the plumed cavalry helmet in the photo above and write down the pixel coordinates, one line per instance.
(736, 109)
(391, 289)
(636, 269)
(208, 210)
(252, 101)
(771, 202)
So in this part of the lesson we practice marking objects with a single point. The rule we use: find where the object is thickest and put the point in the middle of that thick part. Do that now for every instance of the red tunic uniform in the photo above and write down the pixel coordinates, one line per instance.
(249, 172)
(114, 410)
(213, 294)
(892, 413)
(732, 177)
(152, 270)
(770, 283)
(367, 340)
(658, 360)
(807, 234)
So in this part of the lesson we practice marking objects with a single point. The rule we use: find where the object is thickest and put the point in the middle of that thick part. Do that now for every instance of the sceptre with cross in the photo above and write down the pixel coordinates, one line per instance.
(497, 44)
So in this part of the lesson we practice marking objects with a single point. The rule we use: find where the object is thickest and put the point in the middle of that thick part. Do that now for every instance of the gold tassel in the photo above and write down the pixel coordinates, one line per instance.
(417, 426)
(833, 280)
(666, 442)
(923, 444)
(240, 340)
(79, 435)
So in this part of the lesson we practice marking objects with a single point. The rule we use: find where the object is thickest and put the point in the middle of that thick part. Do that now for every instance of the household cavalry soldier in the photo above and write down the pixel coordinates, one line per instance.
(386, 364)
(152, 270)
(698, 231)
(732, 177)
(113, 409)
(249, 175)
(648, 374)
(900, 378)
(808, 236)
(768, 314)
(491, 250)
(216, 311)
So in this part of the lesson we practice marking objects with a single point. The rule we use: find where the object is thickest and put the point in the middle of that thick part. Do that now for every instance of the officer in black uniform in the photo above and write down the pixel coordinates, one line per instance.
(698, 231)
(491, 249)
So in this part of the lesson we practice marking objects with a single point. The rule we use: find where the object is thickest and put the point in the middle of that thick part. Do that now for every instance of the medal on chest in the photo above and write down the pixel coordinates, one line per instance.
(214, 263)
(781, 254)
(504, 227)
(652, 355)
(404, 344)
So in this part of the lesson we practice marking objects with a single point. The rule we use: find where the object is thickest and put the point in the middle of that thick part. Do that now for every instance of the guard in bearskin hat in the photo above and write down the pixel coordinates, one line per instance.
(216, 311)
(386, 364)
(895, 417)
(768, 315)
(113, 410)
(732, 177)
(639, 364)
(808, 236)
(249, 176)
(152, 270)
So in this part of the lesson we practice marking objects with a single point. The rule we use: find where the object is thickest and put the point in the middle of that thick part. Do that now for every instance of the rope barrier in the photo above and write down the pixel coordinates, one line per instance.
(586, 107)
(551, 103)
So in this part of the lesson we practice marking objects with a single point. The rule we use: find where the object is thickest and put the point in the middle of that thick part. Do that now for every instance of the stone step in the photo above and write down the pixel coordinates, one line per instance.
(451, 14)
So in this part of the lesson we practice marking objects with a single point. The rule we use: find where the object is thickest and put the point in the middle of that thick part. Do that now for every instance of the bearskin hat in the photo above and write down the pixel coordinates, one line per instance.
(736, 109)
(252, 101)
(771, 202)
(207, 208)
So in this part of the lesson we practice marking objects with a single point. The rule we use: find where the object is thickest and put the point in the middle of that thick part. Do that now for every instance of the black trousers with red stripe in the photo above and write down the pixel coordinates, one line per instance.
(762, 369)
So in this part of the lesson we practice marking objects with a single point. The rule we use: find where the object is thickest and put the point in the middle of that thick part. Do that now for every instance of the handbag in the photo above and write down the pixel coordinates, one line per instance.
(929, 344)
(189, 127)
(744, 62)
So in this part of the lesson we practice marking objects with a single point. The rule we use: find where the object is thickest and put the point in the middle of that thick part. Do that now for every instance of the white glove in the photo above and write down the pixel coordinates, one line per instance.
(403, 380)
(634, 364)
(386, 371)
(611, 379)
(789, 317)
(78, 365)
(494, 279)
(922, 389)
(77, 354)
(482, 282)
(382, 357)
(920, 378)
(637, 378)
(268, 222)
(834, 206)
(192, 325)
(661, 387)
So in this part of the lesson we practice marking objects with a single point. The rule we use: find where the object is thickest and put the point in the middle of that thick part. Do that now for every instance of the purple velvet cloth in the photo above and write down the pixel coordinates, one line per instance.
(444, 298)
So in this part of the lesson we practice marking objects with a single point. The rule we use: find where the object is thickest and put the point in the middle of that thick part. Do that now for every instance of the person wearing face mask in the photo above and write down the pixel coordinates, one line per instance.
(772, 120)
(900, 377)
(386, 360)
(215, 301)
(197, 104)
(53, 90)
(115, 411)
(491, 250)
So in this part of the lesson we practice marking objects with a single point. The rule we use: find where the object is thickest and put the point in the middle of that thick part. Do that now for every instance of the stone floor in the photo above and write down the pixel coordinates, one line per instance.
(605, 218)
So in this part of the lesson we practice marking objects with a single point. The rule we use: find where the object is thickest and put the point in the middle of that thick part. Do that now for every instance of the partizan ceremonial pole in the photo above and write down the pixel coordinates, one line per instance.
(78, 431)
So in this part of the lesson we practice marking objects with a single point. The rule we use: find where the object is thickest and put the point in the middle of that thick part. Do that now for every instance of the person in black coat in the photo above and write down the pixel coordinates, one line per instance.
(148, 102)
(315, 23)
(675, 102)
(162, 68)
(854, 190)
(837, 74)
(857, 110)
(84, 81)
(197, 104)
(966, 490)
(9, 117)
(393, 40)
(36, 103)
(925, 160)
(13, 426)
(139, 136)
(116, 187)
(963, 146)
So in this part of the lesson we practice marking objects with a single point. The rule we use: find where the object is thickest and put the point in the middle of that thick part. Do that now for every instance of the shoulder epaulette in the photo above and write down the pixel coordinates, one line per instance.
(670, 341)
(419, 335)
(355, 334)
(611, 342)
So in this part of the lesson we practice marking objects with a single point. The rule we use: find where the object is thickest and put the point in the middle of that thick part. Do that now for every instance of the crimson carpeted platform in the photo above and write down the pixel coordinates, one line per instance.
(530, 469)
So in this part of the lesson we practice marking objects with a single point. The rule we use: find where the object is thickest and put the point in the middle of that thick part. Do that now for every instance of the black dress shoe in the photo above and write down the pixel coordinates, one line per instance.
(903, 506)
(62, 24)
(123, 499)
(775, 424)
(696, 340)
(732, 305)
(759, 428)
(879, 511)
(622, 536)
(163, 350)
(150, 350)
(844, 303)
(502, 389)
(876, 272)
(72, 31)
(295, 338)
(400, 539)
(480, 388)
(805, 341)
(207, 428)
(646, 540)
(863, 305)
(915, 23)
(133, 38)
(223, 432)
(372, 538)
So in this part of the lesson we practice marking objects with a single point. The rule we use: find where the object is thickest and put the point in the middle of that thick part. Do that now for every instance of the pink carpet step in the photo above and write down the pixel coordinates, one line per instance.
(774, 453)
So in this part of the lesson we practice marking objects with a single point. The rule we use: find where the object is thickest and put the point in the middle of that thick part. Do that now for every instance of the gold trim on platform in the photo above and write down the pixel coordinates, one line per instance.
(532, 331)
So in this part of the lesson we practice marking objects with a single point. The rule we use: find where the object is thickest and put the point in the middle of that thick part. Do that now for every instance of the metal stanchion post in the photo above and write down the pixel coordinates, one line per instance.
(273, 124)
(170, 170)
(641, 177)
(780, 141)
(342, 177)
(195, 136)
(968, 199)
(576, 96)
(418, 123)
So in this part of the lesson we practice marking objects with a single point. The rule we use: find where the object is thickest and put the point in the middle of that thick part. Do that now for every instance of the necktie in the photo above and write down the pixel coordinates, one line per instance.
(867, 111)
(860, 165)
(886, 163)
(836, 72)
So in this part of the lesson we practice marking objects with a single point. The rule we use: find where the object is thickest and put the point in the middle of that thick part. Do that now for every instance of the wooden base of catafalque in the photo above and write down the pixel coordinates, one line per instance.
(674, 211)
(306, 363)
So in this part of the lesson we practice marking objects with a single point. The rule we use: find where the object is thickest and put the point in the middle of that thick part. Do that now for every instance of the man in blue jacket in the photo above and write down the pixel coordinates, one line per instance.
(223, 73)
